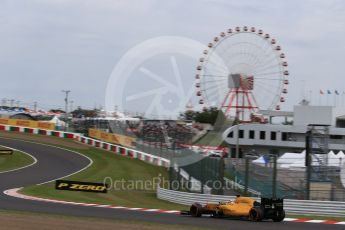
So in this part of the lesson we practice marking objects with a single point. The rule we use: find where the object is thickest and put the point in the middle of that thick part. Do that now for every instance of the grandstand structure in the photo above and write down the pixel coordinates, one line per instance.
(289, 137)
(300, 159)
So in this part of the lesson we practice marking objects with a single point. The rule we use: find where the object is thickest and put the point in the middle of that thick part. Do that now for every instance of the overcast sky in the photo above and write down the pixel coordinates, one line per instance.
(50, 45)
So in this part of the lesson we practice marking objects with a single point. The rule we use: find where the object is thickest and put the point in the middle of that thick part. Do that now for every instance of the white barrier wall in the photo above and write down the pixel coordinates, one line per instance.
(132, 153)
(303, 207)
(152, 159)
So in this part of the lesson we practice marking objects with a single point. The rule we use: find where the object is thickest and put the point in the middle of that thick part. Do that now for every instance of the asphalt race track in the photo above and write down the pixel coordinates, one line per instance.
(55, 163)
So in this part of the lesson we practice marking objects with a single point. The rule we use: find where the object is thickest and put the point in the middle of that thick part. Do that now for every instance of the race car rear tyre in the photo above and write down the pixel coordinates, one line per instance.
(196, 210)
(256, 214)
(280, 216)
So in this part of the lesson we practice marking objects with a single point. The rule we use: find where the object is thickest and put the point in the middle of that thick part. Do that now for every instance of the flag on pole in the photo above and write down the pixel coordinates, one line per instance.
(329, 92)
(322, 93)
(336, 92)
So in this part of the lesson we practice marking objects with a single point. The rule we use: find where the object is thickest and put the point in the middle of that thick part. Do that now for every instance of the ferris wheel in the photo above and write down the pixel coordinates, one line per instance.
(243, 71)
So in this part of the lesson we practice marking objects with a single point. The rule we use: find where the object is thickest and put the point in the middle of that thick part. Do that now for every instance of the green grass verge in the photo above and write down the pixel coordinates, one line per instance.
(116, 167)
(14, 161)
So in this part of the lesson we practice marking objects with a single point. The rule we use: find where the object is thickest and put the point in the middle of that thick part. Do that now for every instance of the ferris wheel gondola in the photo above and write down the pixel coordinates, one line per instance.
(243, 71)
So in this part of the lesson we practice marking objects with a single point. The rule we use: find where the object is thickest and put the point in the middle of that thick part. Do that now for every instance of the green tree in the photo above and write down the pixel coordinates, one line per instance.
(188, 115)
(211, 115)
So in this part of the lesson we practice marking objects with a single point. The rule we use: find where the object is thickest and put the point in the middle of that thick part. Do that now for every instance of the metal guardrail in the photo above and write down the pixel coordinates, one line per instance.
(305, 207)
(133, 153)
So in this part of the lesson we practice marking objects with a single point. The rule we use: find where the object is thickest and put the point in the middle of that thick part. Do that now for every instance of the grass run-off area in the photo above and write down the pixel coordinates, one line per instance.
(107, 164)
(136, 190)
(14, 161)
(211, 139)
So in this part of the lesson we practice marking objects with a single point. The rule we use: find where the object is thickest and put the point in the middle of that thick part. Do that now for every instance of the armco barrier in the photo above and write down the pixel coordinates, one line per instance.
(305, 207)
(93, 142)
(152, 159)
(323, 208)
(44, 132)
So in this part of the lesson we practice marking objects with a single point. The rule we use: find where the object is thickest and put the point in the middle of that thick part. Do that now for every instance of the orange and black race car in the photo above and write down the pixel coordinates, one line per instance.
(242, 207)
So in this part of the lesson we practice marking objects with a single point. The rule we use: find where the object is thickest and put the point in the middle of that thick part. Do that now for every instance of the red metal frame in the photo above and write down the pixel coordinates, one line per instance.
(242, 109)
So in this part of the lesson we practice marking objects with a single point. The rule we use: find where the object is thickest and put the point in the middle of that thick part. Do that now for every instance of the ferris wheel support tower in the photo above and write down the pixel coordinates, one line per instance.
(242, 71)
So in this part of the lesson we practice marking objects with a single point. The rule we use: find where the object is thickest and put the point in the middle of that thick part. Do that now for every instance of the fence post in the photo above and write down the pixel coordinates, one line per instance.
(274, 183)
(246, 177)
(202, 183)
(179, 177)
(171, 171)
(221, 175)
(189, 183)
(307, 163)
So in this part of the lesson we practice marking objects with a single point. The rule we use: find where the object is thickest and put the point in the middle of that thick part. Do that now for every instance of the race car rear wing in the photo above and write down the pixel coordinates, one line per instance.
(272, 203)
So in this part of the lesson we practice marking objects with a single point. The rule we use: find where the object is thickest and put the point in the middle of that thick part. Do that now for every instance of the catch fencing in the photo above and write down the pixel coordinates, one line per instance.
(282, 178)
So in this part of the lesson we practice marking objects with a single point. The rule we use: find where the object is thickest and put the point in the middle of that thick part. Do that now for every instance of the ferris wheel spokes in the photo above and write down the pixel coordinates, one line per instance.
(257, 61)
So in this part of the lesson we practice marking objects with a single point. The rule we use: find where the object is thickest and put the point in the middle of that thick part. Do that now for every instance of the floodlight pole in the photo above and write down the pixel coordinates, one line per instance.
(66, 106)
(308, 150)
(35, 107)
